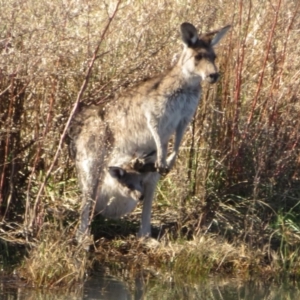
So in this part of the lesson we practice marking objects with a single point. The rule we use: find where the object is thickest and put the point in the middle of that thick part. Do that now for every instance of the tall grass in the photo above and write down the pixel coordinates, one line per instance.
(238, 171)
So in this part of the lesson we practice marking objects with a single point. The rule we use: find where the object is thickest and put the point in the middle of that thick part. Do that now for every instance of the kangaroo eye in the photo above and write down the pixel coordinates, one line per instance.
(130, 186)
(199, 56)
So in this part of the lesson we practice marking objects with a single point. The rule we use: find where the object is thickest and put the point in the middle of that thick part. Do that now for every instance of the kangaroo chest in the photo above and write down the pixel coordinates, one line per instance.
(180, 106)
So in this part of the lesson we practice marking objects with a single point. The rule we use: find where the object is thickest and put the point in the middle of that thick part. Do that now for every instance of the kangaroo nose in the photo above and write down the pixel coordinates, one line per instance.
(212, 78)
(141, 198)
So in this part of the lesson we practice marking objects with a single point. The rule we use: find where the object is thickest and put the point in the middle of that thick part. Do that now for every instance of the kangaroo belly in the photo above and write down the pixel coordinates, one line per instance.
(116, 206)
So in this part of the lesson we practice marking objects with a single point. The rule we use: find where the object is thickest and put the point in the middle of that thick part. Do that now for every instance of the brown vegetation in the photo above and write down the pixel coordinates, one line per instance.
(237, 176)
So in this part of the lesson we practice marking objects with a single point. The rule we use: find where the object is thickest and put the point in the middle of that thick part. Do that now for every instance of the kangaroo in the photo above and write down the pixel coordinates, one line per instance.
(147, 116)
(151, 112)
(117, 188)
(142, 121)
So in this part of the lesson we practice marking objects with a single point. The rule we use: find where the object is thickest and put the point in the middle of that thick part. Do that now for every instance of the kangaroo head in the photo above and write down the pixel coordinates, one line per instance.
(130, 182)
(198, 57)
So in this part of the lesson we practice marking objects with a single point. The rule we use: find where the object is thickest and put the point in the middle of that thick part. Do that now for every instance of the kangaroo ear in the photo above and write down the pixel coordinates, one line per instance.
(189, 34)
(219, 35)
(116, 172)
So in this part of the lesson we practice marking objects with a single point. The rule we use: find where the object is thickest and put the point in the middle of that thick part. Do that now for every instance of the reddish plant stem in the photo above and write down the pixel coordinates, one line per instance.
(260, 82)
(9, 117)
(39, 149)
(13, 95)
(79, 96)
(273, 101)
(277, 80)
(239, 71)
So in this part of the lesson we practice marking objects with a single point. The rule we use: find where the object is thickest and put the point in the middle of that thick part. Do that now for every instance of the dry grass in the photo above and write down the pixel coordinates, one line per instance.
(55, 260)
(238, 171)
(186, 261)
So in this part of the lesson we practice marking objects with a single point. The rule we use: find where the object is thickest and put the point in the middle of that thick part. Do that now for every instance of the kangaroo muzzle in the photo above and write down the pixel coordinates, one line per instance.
(213, 78)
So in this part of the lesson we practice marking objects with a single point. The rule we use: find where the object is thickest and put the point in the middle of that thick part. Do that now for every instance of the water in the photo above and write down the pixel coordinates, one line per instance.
(110, 288)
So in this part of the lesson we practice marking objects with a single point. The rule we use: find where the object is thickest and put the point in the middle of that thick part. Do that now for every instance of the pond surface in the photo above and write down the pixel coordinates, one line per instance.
(110, 288)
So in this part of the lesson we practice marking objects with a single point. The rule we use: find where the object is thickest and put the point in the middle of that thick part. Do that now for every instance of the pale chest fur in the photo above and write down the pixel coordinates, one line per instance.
(165, 109)
(177, 107)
